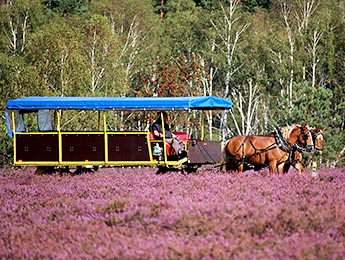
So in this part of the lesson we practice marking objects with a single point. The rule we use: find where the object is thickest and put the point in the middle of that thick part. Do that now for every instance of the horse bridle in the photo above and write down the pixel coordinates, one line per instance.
(297, 145)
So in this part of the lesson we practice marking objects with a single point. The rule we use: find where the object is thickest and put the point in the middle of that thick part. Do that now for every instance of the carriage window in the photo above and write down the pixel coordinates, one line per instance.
(81, 120)
(44, 120)
(19, 121)
(130, 120)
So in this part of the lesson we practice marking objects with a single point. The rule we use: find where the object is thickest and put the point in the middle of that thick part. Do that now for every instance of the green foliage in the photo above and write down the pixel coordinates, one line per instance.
(253, 5)
(55, 51)
(184, 28)
(17, 21)
(67, 7)
(6, 145)
(17, 78)
(313, 106)
(310, 106)
(170, 47)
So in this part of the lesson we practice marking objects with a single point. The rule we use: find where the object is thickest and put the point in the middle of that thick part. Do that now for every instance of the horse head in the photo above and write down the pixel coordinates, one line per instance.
(301, 137)
(318, 138)
(305, 138)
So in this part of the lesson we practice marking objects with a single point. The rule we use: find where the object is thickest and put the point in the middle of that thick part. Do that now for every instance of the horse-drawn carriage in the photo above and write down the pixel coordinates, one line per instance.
(49, 141)
(46, 141)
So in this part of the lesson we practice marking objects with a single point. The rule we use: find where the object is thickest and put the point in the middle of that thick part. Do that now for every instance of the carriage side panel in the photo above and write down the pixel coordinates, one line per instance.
(128, 147)
(83, 147)
(37, 147)
(204, 152)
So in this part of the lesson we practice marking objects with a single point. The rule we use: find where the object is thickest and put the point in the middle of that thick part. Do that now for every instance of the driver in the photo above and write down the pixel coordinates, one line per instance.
(170, 137)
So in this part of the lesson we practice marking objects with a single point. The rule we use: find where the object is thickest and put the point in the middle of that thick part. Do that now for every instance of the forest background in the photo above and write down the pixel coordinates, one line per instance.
(280, 62)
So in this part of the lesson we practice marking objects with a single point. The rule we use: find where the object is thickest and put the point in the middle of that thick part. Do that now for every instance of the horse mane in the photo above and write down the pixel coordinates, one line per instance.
(287, 130)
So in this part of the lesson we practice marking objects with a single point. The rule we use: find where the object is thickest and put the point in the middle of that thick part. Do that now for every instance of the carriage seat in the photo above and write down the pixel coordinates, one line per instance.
(170, 150)
(183, 136)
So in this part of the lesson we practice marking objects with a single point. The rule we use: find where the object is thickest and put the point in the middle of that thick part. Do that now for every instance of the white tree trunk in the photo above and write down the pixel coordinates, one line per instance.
(316, 38)
(18, 30)
(230, 34)
(247, 109)
(285, 12)
(96, 69)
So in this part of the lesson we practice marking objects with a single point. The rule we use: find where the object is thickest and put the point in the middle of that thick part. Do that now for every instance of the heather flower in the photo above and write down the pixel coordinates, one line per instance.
(133, 213)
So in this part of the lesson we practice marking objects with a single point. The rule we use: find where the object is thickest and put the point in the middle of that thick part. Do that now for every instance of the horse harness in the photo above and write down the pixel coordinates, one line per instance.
(286, 146)
(257, 151)
(280, 142)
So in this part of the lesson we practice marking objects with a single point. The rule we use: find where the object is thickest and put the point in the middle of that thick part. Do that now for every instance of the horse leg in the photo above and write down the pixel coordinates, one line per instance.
(240, 167)
(223, 164)
(281, 168)
(286, 167)
(227, 160)
(300, 168)
(272, 166)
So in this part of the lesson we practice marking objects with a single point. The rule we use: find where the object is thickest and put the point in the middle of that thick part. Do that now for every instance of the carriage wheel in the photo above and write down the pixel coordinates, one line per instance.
(40, 170)
(191, 168)
(162, 170)
(81, 170)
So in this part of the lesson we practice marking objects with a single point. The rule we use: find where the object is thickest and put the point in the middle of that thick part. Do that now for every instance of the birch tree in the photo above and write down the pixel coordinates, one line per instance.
(229, 32)
(207, 79)
(291, 40)
(99, 46)
(130, 23)
(132, 46)
(16, 24)
(304, 36)
(247, 103)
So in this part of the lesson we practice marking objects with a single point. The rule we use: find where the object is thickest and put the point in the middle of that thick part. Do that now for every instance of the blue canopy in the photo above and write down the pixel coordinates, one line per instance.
(119, 103)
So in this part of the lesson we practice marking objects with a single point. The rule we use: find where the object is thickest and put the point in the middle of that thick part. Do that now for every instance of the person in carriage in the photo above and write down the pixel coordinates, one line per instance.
(170, 137)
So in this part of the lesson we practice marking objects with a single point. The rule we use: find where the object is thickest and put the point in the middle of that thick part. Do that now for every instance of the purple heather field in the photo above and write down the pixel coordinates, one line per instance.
(133, 213)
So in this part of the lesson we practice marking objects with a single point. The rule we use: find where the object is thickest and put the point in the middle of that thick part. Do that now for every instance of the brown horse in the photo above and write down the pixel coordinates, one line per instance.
(260, 151)
(296, 157)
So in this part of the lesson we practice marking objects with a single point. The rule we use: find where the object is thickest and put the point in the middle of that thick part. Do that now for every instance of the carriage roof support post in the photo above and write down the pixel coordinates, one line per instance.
(202, 125)
(164, 140)
(14, 137)
(58, 128)
(99, 120)
(106, 158)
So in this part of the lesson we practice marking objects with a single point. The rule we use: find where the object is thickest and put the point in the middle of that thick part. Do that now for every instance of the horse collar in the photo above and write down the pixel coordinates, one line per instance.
(281, 142)
(299, 148)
